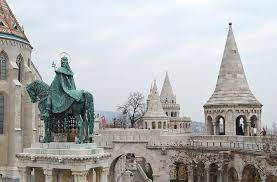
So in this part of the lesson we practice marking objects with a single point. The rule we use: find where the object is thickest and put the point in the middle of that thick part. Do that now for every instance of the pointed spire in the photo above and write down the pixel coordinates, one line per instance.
(167, 91)
(232, 86)
(154, 105)
(9, 26)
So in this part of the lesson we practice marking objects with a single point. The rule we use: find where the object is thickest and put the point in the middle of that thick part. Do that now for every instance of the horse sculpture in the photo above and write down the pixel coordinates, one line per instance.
(80, 115)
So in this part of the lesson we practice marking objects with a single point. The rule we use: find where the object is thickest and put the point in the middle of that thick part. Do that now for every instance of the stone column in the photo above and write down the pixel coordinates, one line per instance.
(220, 175)
(98, 174)
(248, 124)
(214, 128)
(207, 169)
(48, 175)
(104, 174)
(25, 174)
(190, 173)
(80, 176)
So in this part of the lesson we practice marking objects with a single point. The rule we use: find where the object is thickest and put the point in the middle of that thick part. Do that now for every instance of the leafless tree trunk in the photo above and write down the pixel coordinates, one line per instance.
(134, 108)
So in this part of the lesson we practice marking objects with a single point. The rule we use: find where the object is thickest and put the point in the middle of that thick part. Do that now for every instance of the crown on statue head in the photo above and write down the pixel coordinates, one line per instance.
(64, 59)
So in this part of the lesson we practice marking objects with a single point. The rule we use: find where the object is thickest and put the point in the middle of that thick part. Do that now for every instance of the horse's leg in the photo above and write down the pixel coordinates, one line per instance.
(80, 133)
(47, 137)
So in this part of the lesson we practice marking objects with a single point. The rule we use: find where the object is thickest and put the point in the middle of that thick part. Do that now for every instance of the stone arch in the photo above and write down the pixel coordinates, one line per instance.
(20, 63)
(210, 125)
(250, 173)
(241, 123)
(3, 65)
(253, 125)
(220, 125)
(232, 174)
(139, 150)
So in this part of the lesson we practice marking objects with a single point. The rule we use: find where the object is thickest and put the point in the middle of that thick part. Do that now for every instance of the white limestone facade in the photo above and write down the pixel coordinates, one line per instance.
(232, 109)
(19, 118)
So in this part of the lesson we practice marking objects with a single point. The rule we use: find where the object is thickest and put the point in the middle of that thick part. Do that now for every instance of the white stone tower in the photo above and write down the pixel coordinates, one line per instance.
(18, 116)
(155, 117)
(172, 109)
(232, 109)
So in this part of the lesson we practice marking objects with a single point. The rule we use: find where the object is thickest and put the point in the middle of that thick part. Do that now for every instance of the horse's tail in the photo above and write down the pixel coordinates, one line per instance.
(89, 111)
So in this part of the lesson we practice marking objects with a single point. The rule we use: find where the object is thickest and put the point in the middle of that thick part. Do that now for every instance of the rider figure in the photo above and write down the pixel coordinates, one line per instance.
(62, 92)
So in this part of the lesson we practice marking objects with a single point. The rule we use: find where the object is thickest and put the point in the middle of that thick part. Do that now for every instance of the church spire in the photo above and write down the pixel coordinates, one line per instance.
(167, 92)
(9, 26)
(232, 86)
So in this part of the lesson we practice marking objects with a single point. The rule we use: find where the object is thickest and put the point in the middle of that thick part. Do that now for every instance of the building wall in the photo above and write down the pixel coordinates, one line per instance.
(20, 116)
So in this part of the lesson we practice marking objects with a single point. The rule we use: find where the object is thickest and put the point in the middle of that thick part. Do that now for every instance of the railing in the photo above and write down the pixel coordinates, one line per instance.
(144, 176)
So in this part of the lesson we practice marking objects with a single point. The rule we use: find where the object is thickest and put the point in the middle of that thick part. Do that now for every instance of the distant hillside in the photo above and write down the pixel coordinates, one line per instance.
(198, 127)
(109, 115)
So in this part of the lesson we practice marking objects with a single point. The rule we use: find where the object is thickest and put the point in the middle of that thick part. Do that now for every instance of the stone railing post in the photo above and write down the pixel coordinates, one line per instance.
(25, 174)
(48, 175)
(80, 176)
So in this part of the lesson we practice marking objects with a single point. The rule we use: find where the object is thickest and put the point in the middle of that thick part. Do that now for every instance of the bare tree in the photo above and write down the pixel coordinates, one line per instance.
(134, 108)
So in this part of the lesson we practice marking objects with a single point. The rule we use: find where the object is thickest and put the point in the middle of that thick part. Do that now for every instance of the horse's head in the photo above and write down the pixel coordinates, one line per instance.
(37, 90)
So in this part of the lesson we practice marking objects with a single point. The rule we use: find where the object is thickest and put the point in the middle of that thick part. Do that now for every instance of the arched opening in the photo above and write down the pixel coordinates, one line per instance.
(153, 125)
(175, 126)
(166, 113)
(146, 125)
(3, 65)
(220, 125)
(210, 125)
(172, 114)
(164, 125)
(250, 174)
(241, 123)
(126, 165)
(232, 174)
(159, 125)
(213, 172)
(178, 172)
(19, 62)
(253, 126)
(39, 174)
(199, 173)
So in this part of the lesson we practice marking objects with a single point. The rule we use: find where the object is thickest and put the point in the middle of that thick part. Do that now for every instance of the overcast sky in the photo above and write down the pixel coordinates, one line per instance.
(119, 46)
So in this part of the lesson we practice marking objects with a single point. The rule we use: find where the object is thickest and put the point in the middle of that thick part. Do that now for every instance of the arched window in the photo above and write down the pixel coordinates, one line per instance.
(19, 62)
(164, 125)
(153, 125)
(160, 125)
(3, 65)
(1, 114)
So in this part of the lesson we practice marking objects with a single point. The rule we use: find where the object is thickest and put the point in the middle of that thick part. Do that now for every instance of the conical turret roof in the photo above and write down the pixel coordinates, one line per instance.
(167, 91)
(9, 26)
(154, 107)
(232, 87)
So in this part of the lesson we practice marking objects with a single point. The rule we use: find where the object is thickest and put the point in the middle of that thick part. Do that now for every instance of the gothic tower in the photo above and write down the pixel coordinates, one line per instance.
(154, 117)
(172, 109)
(232, 109)
(18, 116)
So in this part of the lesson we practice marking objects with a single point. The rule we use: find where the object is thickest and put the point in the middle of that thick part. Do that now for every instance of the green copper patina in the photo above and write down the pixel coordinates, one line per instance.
(62, 107)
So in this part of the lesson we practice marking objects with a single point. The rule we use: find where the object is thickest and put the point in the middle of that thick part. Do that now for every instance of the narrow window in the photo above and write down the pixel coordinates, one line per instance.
(1, 114)
(3, 65)
(19, 62)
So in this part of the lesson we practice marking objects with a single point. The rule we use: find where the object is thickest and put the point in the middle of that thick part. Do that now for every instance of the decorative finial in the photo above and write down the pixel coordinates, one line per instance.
(230, 23)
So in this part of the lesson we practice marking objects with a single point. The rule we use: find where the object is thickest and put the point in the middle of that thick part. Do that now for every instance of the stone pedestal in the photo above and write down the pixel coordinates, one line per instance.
(64, 160)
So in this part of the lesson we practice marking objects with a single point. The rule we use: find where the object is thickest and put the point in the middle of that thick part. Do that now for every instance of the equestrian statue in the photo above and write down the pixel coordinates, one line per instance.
(63, 108)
